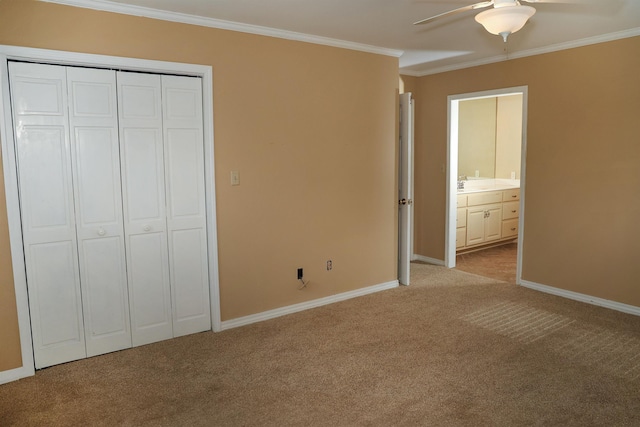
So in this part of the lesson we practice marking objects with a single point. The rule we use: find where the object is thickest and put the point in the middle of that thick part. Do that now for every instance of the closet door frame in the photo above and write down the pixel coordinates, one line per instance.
(17, 53)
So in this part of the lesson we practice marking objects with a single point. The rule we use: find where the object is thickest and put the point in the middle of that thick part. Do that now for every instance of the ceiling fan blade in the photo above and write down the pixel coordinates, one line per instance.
(559, 1)
(455, 11)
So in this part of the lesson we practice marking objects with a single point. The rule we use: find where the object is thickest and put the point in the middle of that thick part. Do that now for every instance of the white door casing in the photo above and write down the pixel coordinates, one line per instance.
(452, 172)
(9, 147)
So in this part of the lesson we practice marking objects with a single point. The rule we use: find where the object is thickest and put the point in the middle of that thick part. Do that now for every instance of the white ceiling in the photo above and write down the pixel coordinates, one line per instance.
(385, 26)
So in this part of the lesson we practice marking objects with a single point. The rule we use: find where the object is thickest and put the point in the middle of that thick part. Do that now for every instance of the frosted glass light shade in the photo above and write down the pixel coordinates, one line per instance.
(505, 20)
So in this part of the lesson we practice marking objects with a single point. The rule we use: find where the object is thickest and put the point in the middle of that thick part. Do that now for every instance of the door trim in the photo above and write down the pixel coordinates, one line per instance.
(11, 181)
(452, 177)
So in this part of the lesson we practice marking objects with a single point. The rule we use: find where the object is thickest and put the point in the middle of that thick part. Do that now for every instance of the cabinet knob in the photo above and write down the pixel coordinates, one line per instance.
(101, 232)
(513, 211)
(147, 228)
(513, 229)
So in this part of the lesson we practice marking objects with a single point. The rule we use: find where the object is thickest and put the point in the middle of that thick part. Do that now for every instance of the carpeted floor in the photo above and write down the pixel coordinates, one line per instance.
(452, 349)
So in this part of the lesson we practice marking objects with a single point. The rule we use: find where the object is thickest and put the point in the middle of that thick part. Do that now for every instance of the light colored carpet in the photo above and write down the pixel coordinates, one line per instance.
(452, 349)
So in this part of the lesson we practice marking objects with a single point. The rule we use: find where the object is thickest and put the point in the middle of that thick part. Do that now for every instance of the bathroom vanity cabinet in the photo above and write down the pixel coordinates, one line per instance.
(487, 217)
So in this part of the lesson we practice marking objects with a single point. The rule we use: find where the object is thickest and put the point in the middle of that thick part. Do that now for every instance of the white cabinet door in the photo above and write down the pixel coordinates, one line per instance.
(38, 95)
(484, 224)
(186, 213)
(141, 148)
(475, 225)
(95, 157)
(493, 223)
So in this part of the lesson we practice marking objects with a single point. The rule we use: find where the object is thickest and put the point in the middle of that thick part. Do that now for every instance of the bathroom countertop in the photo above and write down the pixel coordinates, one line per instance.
(479, 185)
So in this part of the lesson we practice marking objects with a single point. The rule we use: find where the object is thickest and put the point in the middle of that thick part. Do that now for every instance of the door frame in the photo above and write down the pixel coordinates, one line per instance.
(452, 162)
(11, 178)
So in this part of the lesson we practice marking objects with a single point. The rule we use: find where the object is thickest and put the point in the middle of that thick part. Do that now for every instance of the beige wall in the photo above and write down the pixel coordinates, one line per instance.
(311, 129)
(10, 355)
(408, 84)
(582, 181)
(490, 136)
(509, 136)
(477, 137)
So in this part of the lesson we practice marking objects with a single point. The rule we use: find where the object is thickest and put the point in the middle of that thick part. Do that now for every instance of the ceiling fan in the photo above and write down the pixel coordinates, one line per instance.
(504, 18)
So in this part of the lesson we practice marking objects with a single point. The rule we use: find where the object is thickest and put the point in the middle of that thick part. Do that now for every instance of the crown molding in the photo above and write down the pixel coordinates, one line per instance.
(633, 32)
(109, 6)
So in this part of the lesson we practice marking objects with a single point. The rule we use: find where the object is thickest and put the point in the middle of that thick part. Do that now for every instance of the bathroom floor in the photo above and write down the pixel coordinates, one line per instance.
(497, 263)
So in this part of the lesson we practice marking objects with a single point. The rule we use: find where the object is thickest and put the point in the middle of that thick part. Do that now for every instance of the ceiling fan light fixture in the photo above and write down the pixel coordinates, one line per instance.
(505, 20)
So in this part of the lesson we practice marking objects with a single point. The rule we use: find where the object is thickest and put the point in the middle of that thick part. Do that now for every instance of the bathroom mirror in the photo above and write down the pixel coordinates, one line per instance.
(490, 137)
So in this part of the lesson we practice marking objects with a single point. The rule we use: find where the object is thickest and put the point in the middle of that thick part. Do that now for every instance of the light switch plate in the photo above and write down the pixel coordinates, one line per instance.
(235, 178)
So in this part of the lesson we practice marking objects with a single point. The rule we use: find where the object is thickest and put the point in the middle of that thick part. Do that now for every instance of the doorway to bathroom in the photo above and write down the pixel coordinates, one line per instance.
(485, 184)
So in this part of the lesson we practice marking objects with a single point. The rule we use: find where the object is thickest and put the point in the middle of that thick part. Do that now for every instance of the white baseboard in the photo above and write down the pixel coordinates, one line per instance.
(416, 257)
(272, 314)
(15, 374)
(613, 305)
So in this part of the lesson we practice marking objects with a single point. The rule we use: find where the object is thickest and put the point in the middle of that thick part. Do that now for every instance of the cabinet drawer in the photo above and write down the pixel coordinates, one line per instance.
(510, 228)
(510, 210)
(509, 195)
(462, 201)
(484, 198)
(461, 218)
(461, 237)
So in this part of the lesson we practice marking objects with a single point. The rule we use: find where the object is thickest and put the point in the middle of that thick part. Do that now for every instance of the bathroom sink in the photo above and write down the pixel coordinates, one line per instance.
(493, 185)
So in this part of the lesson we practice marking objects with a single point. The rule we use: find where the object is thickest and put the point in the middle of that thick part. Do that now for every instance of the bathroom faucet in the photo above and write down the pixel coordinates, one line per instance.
(461, 180)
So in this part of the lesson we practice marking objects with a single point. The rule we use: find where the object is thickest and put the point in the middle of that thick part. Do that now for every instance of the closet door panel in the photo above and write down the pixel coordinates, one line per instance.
(186, 216)
(185, 176)
(98, 181)
(148, 268)
(52, 264)
(190, 275)
(55, 303)
(106, 315)
(142, 151)
(98, 199)
(45, 183)
(38, 97)
(141, 148)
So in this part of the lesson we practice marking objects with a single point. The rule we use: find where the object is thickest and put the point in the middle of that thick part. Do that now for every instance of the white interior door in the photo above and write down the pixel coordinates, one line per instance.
(141, 148)
(186, 212)
(405, 188)
(93, 119)
(38, 95)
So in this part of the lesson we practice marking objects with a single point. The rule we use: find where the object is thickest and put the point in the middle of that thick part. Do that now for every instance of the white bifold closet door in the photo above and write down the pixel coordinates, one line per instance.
(111, 180)
(141, 148)
(186, 211)
(39, 100)
(95, 161)
(165, 218)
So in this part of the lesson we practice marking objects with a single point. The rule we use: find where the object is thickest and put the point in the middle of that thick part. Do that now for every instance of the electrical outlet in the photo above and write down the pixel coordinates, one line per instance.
(329, 265)
(300, 275)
